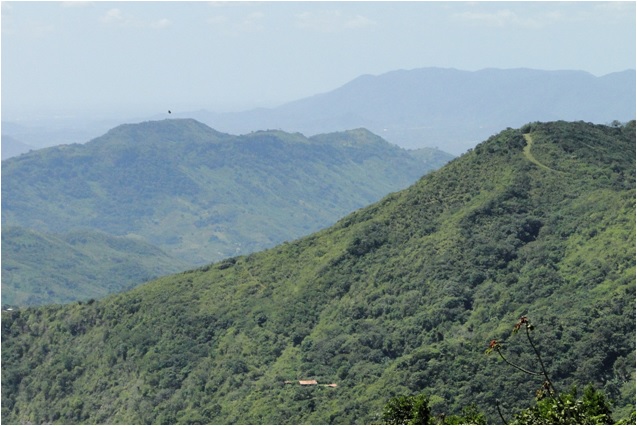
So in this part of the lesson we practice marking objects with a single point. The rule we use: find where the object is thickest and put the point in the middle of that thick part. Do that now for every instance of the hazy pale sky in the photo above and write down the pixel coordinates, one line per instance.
(123, 58)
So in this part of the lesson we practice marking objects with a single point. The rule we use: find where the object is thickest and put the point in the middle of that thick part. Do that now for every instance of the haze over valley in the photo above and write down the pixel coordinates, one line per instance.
(422, 74)
(448, 109)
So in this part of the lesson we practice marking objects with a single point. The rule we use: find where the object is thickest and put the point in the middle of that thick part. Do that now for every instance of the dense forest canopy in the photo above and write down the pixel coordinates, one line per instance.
(398, 298)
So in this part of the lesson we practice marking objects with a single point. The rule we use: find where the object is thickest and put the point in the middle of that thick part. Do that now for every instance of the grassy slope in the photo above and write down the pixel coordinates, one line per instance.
(402, 296)
(431, 155)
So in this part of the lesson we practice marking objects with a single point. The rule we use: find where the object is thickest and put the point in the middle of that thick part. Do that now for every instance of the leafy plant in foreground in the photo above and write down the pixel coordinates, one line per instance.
(412, 410)
(553, 407)
(415, 410)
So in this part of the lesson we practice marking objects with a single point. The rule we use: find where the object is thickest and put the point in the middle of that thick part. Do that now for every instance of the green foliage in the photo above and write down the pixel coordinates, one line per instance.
(553, 407)
(431, 155)
(203, 195)
(395, 299)
(407, 410)
(471, 415)
(591, 409)
(415, 410)
(631, 420)
(40, 268)
(197, 194)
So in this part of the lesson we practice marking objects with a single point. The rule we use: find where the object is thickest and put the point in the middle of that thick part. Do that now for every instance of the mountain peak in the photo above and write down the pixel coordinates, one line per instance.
(166, 130)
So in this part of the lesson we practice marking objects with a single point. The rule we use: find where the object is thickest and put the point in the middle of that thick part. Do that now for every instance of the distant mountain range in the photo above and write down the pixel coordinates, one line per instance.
(22, 137)
(425, 107)
(446, 108)
(197, 194)
(12, 147)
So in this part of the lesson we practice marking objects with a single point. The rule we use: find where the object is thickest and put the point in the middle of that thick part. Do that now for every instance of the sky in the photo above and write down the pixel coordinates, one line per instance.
(105, 59)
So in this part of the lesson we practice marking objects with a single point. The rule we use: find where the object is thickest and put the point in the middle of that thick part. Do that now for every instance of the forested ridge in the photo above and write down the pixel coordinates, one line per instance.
(196, 194)
(201, 194)
(401, 297)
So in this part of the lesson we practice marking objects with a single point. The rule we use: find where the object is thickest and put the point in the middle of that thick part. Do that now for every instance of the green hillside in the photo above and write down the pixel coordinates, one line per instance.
(400, 297)
(199, 194)
(40, 268)
(431, 155)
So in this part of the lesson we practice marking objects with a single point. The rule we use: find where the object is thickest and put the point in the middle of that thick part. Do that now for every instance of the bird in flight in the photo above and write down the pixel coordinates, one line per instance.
(169, 112)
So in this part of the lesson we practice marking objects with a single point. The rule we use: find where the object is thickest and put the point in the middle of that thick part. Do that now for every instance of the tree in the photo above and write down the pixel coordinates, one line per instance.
(407, 410)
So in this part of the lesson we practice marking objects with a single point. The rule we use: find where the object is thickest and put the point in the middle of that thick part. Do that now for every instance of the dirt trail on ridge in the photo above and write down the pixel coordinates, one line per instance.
(529, 155)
